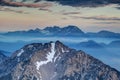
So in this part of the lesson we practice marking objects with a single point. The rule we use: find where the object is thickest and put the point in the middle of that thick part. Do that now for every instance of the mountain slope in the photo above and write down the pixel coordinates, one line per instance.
(54, 61)
(2, 56)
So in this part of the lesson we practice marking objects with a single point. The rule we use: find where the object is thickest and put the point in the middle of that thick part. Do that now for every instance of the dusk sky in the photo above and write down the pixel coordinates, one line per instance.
(31, 15)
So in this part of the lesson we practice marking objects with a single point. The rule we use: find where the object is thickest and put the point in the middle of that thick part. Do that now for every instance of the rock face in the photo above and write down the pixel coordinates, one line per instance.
(54, 61)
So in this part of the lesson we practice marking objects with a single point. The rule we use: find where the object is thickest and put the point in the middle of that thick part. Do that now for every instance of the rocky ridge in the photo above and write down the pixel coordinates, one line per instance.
(54, 61)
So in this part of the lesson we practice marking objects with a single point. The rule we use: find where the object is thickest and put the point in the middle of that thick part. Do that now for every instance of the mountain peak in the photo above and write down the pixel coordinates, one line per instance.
(68, 30)
(105, 31)
(52, 29)
(59, 43)
(55, 61)
(73, 29)
(34, 30)
(37, 29)
(35, 47)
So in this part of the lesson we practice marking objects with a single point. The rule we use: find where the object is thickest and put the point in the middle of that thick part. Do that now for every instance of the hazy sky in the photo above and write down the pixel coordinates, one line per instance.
(88, 19)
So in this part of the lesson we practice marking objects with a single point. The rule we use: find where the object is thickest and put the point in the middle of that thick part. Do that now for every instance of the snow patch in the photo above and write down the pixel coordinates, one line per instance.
(46, 32)
(56, 57)
(18, 77)
(63, 51)
(30, 46)
(19, 54)
(18, 60)
(49, 57)
(39, 76)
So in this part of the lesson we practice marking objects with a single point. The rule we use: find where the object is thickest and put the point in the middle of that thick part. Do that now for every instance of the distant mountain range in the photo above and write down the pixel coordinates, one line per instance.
(89, 44)
(95, 45)
(49, 31)
(54, 61)
(114, 44)
(69, 31)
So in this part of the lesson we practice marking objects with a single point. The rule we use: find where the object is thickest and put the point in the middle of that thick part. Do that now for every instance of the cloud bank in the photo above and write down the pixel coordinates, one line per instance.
(103, 18)
(74, 3)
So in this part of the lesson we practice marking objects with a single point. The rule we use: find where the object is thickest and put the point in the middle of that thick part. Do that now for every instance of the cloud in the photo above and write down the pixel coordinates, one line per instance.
(107, 22)
(23, 4)
(74, 3)
(12, 10)
(70, 13)
(117, 7)
(64, 18)
(102, 18)
(105, 18)
(46, 9)
(87, 3)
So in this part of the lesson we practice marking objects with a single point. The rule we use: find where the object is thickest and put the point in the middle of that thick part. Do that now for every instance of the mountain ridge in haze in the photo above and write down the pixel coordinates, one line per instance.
(68, 31)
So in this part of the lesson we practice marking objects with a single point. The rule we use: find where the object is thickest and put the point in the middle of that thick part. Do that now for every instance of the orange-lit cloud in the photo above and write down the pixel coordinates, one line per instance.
(70, 13)
(19, 4)
(12, 10)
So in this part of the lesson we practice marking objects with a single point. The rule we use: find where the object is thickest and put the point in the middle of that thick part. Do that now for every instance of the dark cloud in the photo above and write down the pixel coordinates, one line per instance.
(117, 7)
(87, 3)
(46, 9)
(19, 4)
(64, 18)
(75, 3)
(70, 13)
(102, 18)
(107, 23)
(98, 18)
